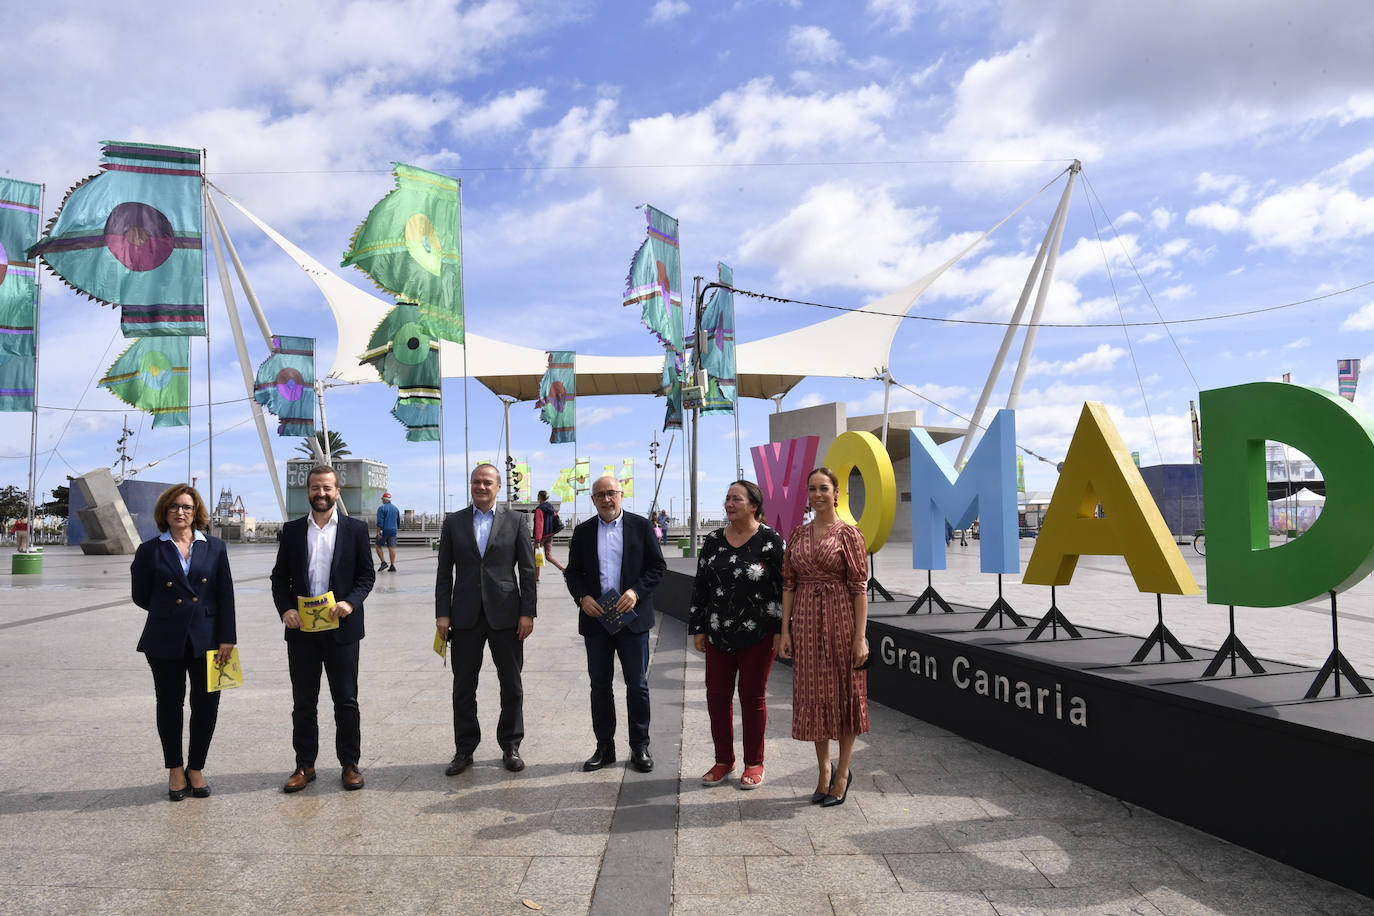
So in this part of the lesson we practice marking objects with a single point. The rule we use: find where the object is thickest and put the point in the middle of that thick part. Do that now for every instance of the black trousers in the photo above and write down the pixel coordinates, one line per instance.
(633, 651)
(169, 685)
(508, 655)
(305, 658)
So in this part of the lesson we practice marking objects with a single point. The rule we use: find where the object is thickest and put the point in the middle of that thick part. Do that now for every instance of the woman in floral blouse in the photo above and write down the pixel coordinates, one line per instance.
(736, 616)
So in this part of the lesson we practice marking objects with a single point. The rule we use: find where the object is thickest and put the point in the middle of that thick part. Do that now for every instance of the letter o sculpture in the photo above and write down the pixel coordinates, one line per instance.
(864, 452)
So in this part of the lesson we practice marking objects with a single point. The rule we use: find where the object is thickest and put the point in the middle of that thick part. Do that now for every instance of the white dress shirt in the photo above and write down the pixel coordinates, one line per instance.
(319, 542)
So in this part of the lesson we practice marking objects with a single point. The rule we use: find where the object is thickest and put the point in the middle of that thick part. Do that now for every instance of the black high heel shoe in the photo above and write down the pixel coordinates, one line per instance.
(818, 797)
(833, 800)
(179, 794)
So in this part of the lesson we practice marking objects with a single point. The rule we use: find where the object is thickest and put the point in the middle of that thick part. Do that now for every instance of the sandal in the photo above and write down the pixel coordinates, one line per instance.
(716, 775)
(752, 777)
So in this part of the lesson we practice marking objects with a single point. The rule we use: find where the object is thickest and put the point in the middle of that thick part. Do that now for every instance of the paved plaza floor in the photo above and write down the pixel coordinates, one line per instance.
(934, 823)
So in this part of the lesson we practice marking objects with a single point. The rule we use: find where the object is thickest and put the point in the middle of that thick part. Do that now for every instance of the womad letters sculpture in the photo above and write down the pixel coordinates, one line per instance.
(1334, 554)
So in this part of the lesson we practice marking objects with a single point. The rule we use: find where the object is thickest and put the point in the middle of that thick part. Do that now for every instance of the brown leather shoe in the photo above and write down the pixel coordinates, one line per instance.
(352, 777)
(298, 780)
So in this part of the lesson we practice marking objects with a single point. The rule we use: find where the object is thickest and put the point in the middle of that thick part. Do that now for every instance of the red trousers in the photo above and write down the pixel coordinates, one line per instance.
(751, 665)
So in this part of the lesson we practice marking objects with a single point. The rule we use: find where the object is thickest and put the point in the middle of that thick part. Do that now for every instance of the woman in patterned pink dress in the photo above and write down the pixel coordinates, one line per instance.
(824, 619)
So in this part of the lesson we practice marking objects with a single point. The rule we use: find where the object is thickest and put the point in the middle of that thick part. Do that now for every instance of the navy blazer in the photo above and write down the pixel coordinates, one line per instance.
(641, 568)
(198, 605)
(469, 582)
(351, 574)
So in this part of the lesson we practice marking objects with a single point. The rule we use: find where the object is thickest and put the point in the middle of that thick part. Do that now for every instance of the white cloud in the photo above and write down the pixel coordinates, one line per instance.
(594, 416)
(504, 113)
(1362, 319)
(843, 234)
(667, 11)
(1301, 343)
(813, 43)
(897, 15)
(1178, 292)
(1160, 218)
(1215, 216)
(1099, 360)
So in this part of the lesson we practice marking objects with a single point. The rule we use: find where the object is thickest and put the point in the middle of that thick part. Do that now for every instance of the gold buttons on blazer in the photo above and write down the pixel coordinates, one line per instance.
(178, 601)
(169, 584)
(195, 600)
(203, 580)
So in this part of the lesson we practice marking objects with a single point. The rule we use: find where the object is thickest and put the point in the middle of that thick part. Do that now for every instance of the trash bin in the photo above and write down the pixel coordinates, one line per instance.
(686, 545)
(27, 564)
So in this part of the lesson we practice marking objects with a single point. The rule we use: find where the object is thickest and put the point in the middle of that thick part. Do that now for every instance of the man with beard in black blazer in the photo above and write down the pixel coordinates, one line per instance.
(484, 595)
(617, 552)
(325, 551)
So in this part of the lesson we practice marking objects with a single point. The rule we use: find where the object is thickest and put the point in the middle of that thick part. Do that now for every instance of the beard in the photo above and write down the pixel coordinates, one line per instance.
(322, 503)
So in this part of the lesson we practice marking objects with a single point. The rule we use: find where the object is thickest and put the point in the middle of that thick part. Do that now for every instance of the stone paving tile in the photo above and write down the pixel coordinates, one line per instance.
(1087, 901)
(1249, 897)
(964, 871)
(1019, 835)
(819, 874)
(753, 905)
(560, 876)
(745, 840)
(709, 875)
(1106, 867)
(873, 839)
(928, 903)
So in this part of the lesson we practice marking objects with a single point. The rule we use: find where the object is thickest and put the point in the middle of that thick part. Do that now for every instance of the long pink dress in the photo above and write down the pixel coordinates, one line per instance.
(829, 698)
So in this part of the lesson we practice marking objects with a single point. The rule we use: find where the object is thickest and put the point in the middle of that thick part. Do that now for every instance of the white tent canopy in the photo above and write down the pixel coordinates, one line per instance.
(852, 345)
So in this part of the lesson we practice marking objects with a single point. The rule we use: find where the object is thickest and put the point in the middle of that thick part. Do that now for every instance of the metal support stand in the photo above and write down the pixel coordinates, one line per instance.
(1233, 648)
(1054, 619)
(1161, 637)
(999, 609)
(1336, 664)
(873, 584)
(931, 595)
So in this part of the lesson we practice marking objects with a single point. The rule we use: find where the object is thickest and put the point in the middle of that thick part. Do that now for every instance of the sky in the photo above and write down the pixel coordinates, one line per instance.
(829, 152)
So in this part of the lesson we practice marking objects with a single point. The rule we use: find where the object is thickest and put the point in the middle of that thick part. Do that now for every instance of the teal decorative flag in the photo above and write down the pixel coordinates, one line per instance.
(130, 236)
(18, 288)
(406, 355)
(153, 375)
(718, 346)
(285, 385)
(655, 285)
(557, 404)
(411, 246)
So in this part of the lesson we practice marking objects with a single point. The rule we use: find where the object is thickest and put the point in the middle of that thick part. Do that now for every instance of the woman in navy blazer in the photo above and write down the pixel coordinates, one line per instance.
(181, 578)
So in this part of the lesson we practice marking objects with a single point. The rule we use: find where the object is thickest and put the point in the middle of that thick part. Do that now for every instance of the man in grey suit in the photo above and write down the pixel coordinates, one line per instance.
(484, 594)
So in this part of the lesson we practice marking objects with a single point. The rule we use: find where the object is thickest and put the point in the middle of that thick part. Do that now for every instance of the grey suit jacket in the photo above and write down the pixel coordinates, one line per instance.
(499, 583)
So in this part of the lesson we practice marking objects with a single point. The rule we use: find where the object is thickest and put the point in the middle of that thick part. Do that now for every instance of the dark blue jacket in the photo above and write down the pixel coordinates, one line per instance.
(198, 605)
(351, 574)
(641, 568)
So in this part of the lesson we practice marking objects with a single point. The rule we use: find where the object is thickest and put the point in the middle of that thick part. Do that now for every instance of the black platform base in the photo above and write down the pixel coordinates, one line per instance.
(1246, 758)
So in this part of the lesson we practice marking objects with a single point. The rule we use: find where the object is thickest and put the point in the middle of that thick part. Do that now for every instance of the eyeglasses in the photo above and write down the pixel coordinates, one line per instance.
(181, 508)
(605, 494)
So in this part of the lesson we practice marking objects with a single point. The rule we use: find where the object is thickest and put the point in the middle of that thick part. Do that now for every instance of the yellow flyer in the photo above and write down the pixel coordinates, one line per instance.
(440, 645)
(222, 677)
(314, 613)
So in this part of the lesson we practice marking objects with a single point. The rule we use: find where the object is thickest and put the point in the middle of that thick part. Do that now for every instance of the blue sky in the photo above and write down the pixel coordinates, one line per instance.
(830, 152)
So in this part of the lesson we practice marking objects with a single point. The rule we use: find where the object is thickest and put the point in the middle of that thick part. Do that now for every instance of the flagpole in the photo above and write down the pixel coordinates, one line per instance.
(462, 297)
(209, 385)
(33, 421)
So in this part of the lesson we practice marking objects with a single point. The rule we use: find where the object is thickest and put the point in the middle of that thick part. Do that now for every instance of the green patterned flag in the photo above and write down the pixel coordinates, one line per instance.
(627, 477)
(582, 475)
(718, 346)
(655, 285)
(1020, 474)
(153, 375)
(285, 385)
(411, 246)
(557, 404)
(405, 355)
(18, 231)
(130, 236)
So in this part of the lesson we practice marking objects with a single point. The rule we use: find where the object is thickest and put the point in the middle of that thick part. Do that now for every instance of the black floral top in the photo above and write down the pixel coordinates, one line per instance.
(737, 596)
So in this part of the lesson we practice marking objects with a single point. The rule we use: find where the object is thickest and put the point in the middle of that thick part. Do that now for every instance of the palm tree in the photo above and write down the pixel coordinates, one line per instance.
(337, 446)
